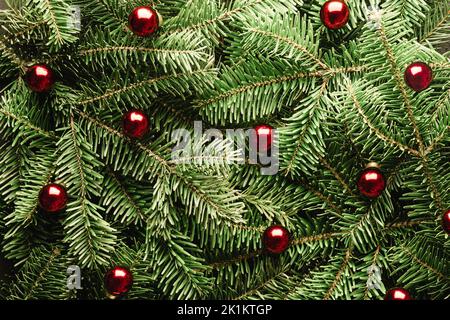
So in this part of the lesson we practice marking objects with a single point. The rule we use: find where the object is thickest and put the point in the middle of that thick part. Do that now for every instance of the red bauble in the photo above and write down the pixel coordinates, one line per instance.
(446, 222)
(135, 124)
(53, 197)
(118, 281)
(418, 76)
(264, 137)
(276, 239)
(397, 294)
(334, 14)
(371, 182)
(143, 21)
(39, 78)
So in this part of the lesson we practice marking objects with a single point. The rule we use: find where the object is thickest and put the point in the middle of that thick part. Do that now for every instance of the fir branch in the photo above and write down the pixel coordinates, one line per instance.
(337, 176)
(401, 86)
(375, 130)
(338, 276)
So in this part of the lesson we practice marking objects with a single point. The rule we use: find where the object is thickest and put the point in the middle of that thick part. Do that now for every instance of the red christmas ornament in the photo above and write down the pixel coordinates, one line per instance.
(53, 197)
(39, 78)
(118, 281)
(264, 137)
(397, 294)
(135, 124)
(143, 21)
(446, 222)
(418, 76)
(276, 239)
(334, 14)
(371, 182)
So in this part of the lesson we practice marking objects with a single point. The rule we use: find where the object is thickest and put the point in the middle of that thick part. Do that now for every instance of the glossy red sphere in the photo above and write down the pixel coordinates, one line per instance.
(276, 239)
(53, 197)
(118, 281)
(143, 21)
(418, 76)
(39, 78)
(397, 294)
(371, 182)
(264, 137)
(334, 14)
(135, 124)
(446, 222)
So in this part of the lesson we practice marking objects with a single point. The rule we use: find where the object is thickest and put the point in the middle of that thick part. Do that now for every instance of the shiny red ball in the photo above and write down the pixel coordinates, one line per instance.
(334, 14)
(264, 137)
(397, 294)
(446, 222)
(276, 239)
(40, 78)
(118, 281)
(53, 197)
(371, 182)
(143, 21)
(418, 76)
(135, 124)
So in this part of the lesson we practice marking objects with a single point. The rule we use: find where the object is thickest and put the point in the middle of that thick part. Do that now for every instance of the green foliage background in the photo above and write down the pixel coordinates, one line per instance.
(193, 231)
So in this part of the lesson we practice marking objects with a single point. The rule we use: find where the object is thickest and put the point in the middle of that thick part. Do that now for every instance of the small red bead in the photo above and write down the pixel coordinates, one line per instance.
(418, 76)
(264, 137)
(135, 124)
(334, 14)
(53, 197)
(276, 239)
(371, 182)
(40, 78)
(143, 21)
(446, 222)
(397, 294)
(118, 281)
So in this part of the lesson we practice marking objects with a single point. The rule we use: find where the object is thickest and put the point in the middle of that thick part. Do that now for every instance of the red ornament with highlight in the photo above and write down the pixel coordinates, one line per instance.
(418, 76)
(118, 281)
(371, 182)
(334, 14)
(276, 239)
(264, 137)
(53, 198)
(135, 124)
(40, 78)
(143, 21)
(446, 222)
(397, 294)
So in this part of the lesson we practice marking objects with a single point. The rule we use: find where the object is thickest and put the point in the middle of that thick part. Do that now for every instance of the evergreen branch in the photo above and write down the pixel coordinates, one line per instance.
(306, 128)
(437, 195)
(111, 93)
(28, 124)
(224, 16)
(339, 274)
(261, 286)
(293, 44)
(249, 87)
(404, 224)
(401, 86)
(129, 209)
(236, 259)
(41, 277)
(10, 54)
(209, 196)
(337, 176)
(375, 130)
(315, 238)
(424, 264)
